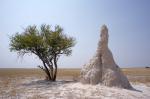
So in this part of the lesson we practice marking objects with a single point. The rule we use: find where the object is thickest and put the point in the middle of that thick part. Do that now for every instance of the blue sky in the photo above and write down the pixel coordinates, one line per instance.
(128, 22)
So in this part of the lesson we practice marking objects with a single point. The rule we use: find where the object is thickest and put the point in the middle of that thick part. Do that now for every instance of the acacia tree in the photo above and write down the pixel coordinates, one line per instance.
(46, 43)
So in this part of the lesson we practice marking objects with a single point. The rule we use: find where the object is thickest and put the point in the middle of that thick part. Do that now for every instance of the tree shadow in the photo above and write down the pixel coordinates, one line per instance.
(45, 84)
(133, 89)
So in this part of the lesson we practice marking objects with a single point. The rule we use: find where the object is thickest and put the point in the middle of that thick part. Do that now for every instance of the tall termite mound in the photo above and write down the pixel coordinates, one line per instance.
(102, 67)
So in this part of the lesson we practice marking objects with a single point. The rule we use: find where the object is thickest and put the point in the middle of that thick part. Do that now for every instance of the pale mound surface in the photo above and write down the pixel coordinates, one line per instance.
(102, 67)
(41, 89)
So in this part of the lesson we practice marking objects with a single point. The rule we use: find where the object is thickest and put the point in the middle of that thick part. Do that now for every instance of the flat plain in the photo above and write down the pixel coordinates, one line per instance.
(22, 83)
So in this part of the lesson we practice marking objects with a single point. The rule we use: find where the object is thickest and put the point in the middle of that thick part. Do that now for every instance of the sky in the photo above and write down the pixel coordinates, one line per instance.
(128, 22)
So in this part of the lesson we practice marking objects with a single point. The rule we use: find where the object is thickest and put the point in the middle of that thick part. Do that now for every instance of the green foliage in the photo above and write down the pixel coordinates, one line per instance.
(45, 41)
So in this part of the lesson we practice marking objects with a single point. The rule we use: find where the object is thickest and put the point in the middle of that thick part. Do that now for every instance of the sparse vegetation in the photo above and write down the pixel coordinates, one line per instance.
(134, 74)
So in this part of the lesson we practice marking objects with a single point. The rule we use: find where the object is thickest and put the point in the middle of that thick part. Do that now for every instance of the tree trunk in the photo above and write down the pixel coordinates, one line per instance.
(50, 71)
(47, 72)
(55, 73)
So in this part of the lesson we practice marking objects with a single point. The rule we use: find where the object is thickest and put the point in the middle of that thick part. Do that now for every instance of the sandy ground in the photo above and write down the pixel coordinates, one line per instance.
(33, 88)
